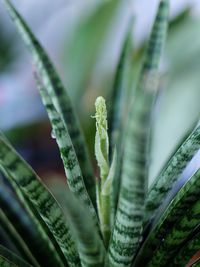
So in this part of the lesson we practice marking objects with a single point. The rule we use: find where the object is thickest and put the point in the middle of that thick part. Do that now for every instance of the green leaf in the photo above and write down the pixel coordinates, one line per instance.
(85, 44)
(90, 245)
(48, 241)
(130, 212)
(19, 243)
(177, 112)
(58, 95)
(120, 89)
(187, 251)
(174, 227)
(32, 188)
(171, 172)
(118, 108)
(70, 161)
(196, 264)
(9, 259)
(23, 231)
(5, 239)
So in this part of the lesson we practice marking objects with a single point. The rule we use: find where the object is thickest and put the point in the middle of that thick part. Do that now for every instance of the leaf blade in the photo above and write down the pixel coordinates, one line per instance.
(68, 155)
(26, 233)
(90, 245)
(9, 259)
(128, 225)
(58, 94)
(175, 226)
(167, 178)
(39, 196)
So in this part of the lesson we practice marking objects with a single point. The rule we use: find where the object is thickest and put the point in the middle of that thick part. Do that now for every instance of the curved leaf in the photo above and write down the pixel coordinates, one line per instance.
(32, 188)
(175, 225)
(48, 240)
(58, 96)
(9, 259)
(24, 232)
(171, 172)
(17, 240)
(71, 165)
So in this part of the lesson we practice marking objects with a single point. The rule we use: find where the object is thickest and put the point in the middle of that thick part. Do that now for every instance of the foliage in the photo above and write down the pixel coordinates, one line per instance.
(114, 220)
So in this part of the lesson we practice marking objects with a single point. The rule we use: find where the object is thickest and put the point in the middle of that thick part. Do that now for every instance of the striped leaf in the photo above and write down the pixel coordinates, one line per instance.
(9, 259)
(58, 96)
(23, 231)
(186, 252)
(118, 108)
(17, 240)
(128, 225)
(47, 239)
(70, 161)
(171, 172)
(177, 223)
(33, 189)
(90, 245)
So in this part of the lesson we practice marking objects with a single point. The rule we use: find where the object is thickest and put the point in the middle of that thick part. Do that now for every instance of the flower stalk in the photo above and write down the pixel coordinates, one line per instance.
(102, 157)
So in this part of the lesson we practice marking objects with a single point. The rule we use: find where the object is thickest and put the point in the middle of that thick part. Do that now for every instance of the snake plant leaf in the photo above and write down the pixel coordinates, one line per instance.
(175, 225)
(171, 172)
(18, 241)
(117, 109)
(70, 161)
(177, 112)
(58, 96)
(6, 241)
(21, 225)
(89, 243)
(33, 189)
(130, 212)
(186, 252)
(9, 259)
(48, 241)
(120, 88)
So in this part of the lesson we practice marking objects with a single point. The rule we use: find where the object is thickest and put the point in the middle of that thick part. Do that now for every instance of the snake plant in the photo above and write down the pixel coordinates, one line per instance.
(116, 219)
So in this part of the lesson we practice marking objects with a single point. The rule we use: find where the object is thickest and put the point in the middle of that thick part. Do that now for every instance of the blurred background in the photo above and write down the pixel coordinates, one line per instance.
(84, 40)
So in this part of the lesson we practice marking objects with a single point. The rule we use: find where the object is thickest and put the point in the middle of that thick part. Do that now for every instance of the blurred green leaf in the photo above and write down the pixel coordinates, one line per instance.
(178, 106)
(85, 43)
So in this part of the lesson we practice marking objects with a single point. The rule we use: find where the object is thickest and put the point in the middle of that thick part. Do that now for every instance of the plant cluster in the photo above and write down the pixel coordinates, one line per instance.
(114, 220)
